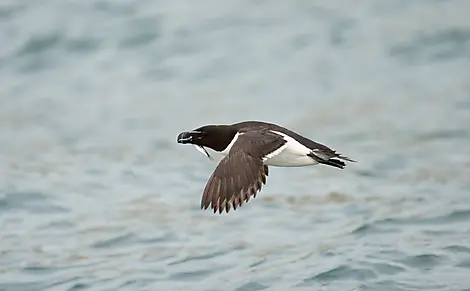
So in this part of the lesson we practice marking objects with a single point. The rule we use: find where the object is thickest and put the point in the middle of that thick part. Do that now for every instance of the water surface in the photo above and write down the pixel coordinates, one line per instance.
(95, 194)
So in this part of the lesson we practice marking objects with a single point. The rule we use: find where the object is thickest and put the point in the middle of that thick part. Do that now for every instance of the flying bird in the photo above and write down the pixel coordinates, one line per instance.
(248, 148)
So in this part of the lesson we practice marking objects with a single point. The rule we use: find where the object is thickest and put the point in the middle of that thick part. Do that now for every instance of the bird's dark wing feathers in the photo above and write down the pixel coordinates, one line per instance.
(319, 151)
(241, 173)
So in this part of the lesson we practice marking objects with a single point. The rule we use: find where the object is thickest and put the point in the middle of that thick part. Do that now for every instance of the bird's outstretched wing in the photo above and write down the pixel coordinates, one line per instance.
(241, 173)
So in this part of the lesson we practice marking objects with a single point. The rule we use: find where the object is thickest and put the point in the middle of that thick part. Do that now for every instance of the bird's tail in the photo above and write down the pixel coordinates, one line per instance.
(330, 161)
(334, 163)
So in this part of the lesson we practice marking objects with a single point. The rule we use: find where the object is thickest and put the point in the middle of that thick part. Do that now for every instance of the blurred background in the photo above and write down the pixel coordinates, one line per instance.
(95, 193)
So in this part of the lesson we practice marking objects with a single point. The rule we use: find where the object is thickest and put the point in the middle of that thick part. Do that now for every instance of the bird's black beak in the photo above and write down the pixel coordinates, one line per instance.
(188, 136)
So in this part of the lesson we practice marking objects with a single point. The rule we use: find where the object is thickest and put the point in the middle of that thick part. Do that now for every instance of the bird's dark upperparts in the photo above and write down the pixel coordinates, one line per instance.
(248, 148)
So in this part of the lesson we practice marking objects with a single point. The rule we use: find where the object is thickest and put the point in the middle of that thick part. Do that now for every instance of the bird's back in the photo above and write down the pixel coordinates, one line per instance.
(260, 125)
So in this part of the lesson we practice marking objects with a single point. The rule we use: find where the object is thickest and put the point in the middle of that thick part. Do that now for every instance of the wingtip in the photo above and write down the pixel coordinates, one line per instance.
(338, 155)
(225, 207)
(348, 159)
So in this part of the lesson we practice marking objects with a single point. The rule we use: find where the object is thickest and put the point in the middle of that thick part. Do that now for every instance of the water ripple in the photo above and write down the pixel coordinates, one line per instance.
(455, 216)
(95, 193)
(425, 261)
(437, 46)
(207, 256)
(32, 202)
(458, 249)
(341, 272)
(387, 268)
(120, 240)
(251, 286)
(192, 275)
(39, 44)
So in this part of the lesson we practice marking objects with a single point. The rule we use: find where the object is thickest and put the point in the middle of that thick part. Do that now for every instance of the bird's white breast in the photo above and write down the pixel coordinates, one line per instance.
(291, 154)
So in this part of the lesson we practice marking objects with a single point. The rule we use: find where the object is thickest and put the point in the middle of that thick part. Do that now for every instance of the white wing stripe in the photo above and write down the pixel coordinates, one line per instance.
(275, 152)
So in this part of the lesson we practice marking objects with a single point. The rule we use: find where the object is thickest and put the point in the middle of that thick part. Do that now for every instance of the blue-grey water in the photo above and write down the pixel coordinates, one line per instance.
(95, 193)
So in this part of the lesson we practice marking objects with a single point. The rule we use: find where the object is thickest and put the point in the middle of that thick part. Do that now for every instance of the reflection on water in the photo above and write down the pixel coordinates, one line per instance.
(95, 193)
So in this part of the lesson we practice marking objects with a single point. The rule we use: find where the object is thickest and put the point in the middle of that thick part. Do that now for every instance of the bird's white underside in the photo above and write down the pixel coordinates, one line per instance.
(291, 154)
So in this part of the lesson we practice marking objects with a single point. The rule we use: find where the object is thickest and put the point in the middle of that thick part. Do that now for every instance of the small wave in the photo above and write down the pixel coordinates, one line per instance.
(424, 261)
(251, 286)
(116, 241)
(39, 44)
(199, 258)
(464, 264)
(137, 283)
(192, 275)
(399, 286)
(387, 268)
(430, 47)
(457, 249)
(330, 198)
(258, 263)
(370, 228)
(445, 134)
(21, 286)
(142, 32)
(341, 272)
(8, 12)
(455, 216)
(70, 282)
(33, 202)
(39, 270)
(78, 286)
(81, 44)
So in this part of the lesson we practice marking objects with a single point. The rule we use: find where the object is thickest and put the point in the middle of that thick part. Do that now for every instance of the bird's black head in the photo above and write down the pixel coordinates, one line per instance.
(216, 137)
